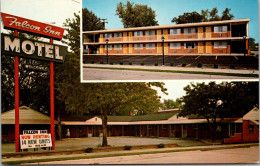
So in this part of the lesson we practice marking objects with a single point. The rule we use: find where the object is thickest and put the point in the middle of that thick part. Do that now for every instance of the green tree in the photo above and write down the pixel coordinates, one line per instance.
(135, 15)
(214, 102)
(31, 82)
(213, 14)
(171, 104)
(204, 16)
(91, 21)
(252, 45)
(72, 38)
(226, 14)
(109, 98)
(187, 17)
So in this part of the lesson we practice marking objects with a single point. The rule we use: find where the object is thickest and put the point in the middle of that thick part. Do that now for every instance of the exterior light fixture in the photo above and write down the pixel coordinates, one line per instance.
(107, 49)
(163, 48)
(244, 37)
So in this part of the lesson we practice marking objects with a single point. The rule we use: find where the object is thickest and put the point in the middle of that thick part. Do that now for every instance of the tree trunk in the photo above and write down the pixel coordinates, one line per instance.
(59, 125)
(104, 127)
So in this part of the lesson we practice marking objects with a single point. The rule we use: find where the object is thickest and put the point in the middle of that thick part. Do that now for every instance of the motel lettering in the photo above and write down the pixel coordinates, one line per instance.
(32, 49)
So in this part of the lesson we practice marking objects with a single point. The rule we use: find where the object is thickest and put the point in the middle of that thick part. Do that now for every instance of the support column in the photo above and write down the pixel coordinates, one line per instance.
(16, 81)
(52, 100)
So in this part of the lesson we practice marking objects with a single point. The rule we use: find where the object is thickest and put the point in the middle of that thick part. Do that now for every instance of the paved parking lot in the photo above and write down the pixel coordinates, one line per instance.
(80, 143)
(94, 74)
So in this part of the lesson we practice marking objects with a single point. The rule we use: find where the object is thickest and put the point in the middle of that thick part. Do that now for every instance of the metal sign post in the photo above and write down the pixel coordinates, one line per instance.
(15, 46)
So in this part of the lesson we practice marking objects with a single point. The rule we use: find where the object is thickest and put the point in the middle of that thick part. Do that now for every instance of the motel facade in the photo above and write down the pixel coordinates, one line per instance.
(166, 124)
(218, 38)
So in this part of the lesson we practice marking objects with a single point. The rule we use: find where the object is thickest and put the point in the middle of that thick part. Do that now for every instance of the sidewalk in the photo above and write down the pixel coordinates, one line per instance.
(191, 69)
(36, 159)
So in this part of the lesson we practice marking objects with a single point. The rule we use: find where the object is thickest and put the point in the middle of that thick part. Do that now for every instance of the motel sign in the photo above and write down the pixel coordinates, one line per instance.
(38, 50)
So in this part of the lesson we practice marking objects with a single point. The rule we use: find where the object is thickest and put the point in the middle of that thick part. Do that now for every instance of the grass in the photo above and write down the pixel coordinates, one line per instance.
(180, 71)
(120, 154)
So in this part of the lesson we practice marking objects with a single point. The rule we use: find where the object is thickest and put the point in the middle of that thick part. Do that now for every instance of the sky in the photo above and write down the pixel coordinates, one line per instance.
(46, 11)
(167, 9)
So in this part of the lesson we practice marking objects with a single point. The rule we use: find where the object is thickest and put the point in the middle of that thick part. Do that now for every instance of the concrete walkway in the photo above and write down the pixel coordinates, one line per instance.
(233, 71)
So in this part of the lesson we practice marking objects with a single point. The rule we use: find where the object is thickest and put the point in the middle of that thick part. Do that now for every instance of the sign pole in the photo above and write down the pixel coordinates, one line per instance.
(16, 77)
(52, 100)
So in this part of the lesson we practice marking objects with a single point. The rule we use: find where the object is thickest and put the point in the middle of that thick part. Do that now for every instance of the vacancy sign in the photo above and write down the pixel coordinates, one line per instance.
(35, 140)
(23, 24)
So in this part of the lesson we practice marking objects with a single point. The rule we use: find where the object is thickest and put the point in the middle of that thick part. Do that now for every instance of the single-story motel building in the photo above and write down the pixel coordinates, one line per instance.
(162, 124)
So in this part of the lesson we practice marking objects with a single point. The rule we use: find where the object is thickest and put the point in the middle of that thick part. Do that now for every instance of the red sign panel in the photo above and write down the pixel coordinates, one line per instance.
(35, 27)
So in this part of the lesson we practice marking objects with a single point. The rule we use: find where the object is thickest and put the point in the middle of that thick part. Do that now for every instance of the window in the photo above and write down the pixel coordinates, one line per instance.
(189, 30)
(118, 35)
(138, 33)
(118, 46)
(138, 46)
(108, 35)
(175, 31)
(251, 128)
(220, 44)
(149, 33)
(175, 45)
(109, 47)
(189, 45)
(150, 46)
(5, 131)
(218, 29)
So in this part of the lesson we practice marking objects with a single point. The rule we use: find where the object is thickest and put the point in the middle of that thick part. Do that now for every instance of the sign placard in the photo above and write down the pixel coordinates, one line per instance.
(35, 132)
(35, 141)
(23, 24)
(32, 49)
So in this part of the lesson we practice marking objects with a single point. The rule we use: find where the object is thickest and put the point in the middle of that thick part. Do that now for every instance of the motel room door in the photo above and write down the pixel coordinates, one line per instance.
(184, 131)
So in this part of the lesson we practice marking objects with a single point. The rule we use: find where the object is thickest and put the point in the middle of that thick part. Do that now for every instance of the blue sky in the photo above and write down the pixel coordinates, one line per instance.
(167, 9)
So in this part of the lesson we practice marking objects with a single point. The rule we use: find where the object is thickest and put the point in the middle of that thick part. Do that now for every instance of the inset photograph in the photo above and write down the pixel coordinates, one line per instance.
(169, 40)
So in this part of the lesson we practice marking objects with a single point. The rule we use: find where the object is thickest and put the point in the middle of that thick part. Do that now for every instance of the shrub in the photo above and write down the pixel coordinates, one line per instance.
(161, 146)
(155, 63)
(99, 145)
(128, 147)
(183, 64)
(121, 62)
(199, 64)
(232, 67)
(101, 62)
(111, 63)
(92, 62)
(130, 63)
(171, 63)
(89, 150)
(142, 63)
(215, 66)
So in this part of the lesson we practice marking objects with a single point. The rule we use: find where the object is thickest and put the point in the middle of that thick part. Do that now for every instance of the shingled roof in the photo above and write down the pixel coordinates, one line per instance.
(26, 116)
(152, 117)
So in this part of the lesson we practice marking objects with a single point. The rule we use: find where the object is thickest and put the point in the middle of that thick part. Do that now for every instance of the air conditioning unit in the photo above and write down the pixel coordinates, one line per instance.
(150, 51)
(175, 51)
(117, 51)
(117, 39)
(220, 51)
(190, 36)
(174, 37)
(137, 38)
(138, 51)
(189, 51)
(220, 35)
(150, 38)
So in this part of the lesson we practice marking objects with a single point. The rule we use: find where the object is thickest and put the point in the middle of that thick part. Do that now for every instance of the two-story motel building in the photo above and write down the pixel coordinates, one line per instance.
(229, 37)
